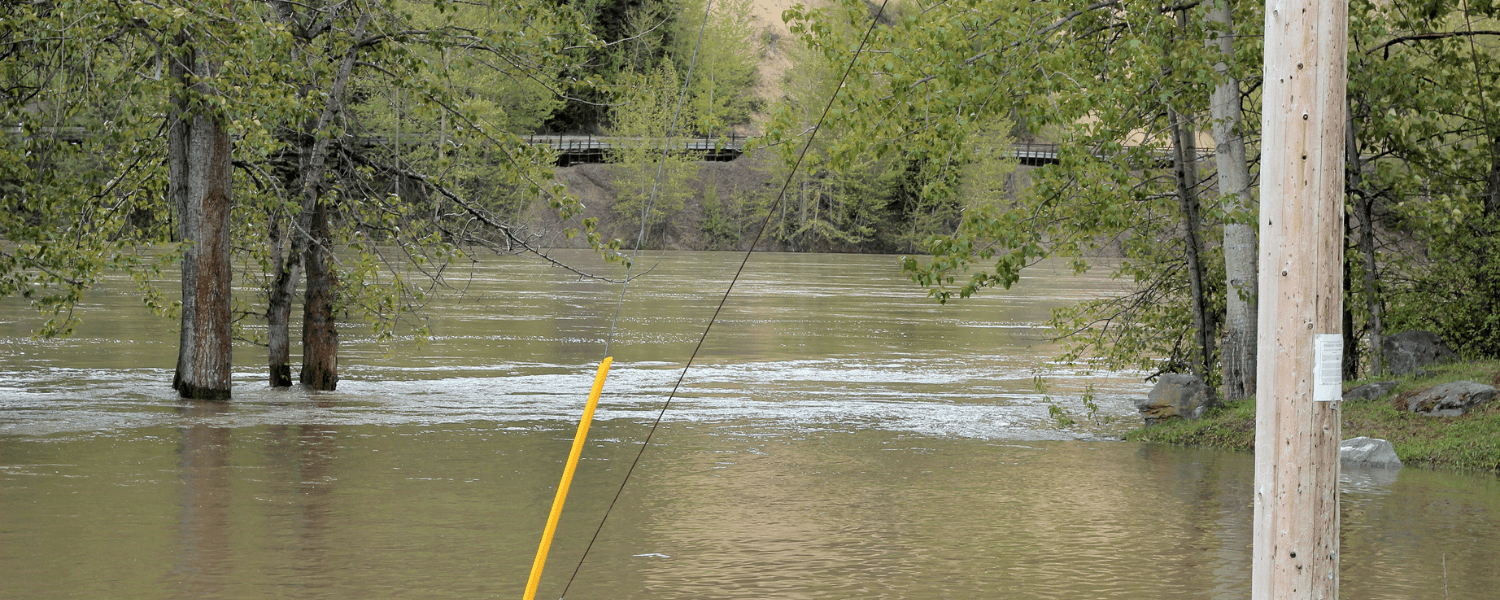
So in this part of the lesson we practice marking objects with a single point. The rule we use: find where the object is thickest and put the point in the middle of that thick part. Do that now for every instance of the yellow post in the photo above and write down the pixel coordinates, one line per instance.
(567, 479)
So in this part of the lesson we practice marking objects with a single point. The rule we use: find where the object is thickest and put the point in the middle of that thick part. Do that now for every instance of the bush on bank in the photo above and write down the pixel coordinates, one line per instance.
(1469, 442)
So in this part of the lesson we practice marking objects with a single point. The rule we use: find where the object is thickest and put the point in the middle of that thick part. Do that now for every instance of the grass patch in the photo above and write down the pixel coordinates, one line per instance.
(1231, 427)
(1469, 442)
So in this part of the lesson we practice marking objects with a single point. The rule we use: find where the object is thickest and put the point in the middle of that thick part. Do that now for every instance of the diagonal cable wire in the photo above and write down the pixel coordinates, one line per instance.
(763, 225)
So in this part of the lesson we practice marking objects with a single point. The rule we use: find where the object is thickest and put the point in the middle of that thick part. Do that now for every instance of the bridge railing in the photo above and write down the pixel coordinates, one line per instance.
(1036, 154)
(589, 142)
(574, 149)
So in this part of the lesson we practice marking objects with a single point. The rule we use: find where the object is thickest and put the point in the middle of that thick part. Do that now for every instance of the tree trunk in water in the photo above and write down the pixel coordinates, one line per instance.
(199, 185)
(1240, 268)
(320, 335)
(1363, 205)
(179, 133)
(309, 248)
(1186, 173)
(279, 302)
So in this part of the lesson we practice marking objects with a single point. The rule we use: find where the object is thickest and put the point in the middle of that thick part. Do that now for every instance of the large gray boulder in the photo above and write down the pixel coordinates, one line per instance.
(1368, 452)
(1370, 391)
(1175, 395)
(1411, 350)
(1450, 399)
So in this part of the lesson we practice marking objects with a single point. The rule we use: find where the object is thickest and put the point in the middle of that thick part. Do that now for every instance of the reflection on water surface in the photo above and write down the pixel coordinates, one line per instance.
(844, 438)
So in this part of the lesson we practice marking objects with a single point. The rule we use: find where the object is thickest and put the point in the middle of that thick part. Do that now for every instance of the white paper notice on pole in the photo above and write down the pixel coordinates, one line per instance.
(1328, 367)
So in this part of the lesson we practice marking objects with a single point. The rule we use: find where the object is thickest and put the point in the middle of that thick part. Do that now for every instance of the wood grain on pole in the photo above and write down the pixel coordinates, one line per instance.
(1301, 255)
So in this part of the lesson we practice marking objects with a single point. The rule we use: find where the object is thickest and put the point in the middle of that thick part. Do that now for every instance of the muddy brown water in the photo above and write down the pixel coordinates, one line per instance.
(842, 437)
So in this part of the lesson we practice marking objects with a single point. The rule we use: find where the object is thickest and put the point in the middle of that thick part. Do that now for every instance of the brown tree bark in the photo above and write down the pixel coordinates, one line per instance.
(199, 163)
(320, 335)
(1350, 368)
(1185, 171)
(279, 302)
(1492, 197)
(320, 362)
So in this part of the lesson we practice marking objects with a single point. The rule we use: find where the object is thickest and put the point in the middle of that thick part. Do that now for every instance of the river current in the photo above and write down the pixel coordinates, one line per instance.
(841, 436)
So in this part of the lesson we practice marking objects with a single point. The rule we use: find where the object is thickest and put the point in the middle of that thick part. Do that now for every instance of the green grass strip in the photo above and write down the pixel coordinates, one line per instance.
(1468, 442)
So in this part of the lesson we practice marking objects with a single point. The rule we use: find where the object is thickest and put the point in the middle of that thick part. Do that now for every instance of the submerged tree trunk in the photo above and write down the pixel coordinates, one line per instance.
(199, 163)
(279, 302)
(1185, 171)
(1240, 260)
(320, 335)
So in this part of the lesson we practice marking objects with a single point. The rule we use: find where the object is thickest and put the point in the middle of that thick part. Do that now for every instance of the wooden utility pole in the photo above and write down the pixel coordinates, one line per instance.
(1296, 537)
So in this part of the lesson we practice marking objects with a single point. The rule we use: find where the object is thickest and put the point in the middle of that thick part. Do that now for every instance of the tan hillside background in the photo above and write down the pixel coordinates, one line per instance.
(775, 41)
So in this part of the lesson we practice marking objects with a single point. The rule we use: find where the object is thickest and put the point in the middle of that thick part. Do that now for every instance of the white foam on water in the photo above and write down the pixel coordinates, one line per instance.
(908, 395)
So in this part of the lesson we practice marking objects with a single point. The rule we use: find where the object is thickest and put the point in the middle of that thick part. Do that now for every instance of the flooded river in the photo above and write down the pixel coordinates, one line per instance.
(841, 437)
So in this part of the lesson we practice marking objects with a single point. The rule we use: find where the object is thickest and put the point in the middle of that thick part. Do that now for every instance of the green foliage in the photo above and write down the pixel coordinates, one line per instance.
(1064, 419)
(1098, 80)
(986, 178)
(1455, 290)
(666, 86)
(82, 162)
(81, 190)
(718, 220)
(645, 174)
(1422, 95)
(1112, 192)
(1059, 415)
(876, 179)
(643, 35)
(725, 69)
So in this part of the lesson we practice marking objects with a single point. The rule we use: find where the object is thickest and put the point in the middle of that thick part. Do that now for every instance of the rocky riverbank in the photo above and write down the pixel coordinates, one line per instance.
(1470, 440)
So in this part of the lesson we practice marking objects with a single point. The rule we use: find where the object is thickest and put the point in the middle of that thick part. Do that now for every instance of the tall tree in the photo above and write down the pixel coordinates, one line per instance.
(200, 172)
(1240, 258)
(310, 246)
(405, 107)
(320, 334)
(647, 106)
(82, 169)
(1185, 173)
